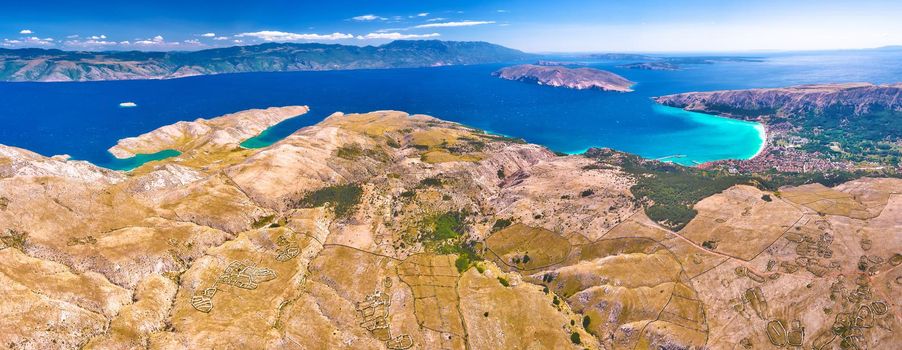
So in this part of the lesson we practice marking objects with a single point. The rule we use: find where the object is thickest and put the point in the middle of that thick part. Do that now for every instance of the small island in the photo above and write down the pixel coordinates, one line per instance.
(573, 78)
(652, 66)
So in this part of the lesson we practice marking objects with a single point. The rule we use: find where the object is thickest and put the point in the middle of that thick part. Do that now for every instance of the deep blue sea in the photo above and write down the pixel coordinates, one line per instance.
(84, 119)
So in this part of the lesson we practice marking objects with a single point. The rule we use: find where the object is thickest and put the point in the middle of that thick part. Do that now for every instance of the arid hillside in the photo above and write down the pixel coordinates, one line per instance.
(393, 231)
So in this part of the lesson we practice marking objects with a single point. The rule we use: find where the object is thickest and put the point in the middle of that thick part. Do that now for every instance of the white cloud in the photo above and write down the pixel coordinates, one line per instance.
(503, 11)
(237, 41)
(29, 41)
(221, 38)
(193, 42)
(26, 31)
(157, 40)
(208, 35)
(423, 14)
(97, 37)
(73, 36)
(395, 36)
(369, 17)
(90, 43)
(436, 19)
(272, 35)
(453, 24)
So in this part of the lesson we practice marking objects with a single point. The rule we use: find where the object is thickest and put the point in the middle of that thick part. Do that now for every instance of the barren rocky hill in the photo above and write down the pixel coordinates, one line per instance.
(393, 231)
(560, 76)
(797, 101)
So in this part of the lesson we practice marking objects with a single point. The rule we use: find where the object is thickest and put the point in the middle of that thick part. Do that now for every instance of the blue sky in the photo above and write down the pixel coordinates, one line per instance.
(536, 26)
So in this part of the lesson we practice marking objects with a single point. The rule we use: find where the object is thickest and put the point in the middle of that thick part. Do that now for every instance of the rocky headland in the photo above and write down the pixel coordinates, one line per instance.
(573, 78)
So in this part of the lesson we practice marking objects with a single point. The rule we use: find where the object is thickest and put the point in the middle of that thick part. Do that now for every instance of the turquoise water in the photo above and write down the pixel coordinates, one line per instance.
(128, 164)
(84, 119)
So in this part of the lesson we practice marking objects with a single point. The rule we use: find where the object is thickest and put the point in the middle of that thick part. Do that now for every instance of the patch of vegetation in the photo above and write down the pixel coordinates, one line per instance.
(586, 193)
(767, 198)
(354, 151)
(841, 134)
(445, 235)
(262, 221)
(586, 321)
(501, 224)
(502, 138)
(574, 337)
(465, 145)
(501, 174)
(431, 182)
(448, 226)
(670, 191)
(408, 194)
(547, 278)
(710, 245)
(504, 282)
(349, 152)
(13, 238)
(342, 198)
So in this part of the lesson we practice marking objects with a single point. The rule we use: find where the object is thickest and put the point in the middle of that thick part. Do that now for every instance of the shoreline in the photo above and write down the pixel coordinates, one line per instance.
(762, 133)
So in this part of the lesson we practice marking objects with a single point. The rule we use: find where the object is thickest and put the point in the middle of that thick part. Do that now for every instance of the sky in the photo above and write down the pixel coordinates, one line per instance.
(533, 26)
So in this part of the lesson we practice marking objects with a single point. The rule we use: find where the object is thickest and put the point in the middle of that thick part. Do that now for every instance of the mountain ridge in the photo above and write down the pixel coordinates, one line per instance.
(47, 65)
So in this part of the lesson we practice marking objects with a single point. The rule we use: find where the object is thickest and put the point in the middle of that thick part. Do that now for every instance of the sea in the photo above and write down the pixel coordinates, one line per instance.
(84, 119)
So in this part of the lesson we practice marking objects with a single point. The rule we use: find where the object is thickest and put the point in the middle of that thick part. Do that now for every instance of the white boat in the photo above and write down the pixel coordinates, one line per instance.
(128, 104)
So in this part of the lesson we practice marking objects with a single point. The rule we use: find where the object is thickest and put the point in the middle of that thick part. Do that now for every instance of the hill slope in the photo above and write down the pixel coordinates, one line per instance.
(57, 65)
(388, 230)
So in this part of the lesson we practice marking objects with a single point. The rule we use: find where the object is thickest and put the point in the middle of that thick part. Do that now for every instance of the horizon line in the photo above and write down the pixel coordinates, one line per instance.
(578, 52)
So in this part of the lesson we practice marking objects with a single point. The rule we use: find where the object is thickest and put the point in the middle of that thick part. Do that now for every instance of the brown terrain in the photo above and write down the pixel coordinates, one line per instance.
(393, 231)
(573, 78)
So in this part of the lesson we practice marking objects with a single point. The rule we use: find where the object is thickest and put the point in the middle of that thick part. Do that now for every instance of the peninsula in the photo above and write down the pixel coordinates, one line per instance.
(573, 78)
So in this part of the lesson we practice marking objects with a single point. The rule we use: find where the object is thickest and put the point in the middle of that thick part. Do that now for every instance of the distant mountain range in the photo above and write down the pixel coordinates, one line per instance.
(58, 65)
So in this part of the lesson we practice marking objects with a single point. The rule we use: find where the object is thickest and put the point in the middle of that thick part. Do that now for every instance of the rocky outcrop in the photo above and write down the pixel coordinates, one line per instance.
(573, 78)
(852, 98)
(227, 130)
(19, 162)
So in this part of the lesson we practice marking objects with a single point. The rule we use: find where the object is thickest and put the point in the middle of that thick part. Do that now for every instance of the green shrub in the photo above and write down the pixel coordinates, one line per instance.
(431, 182)
(574, 337)
(501, 224)
(504, 282)
(342, 198)
(349, 151)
